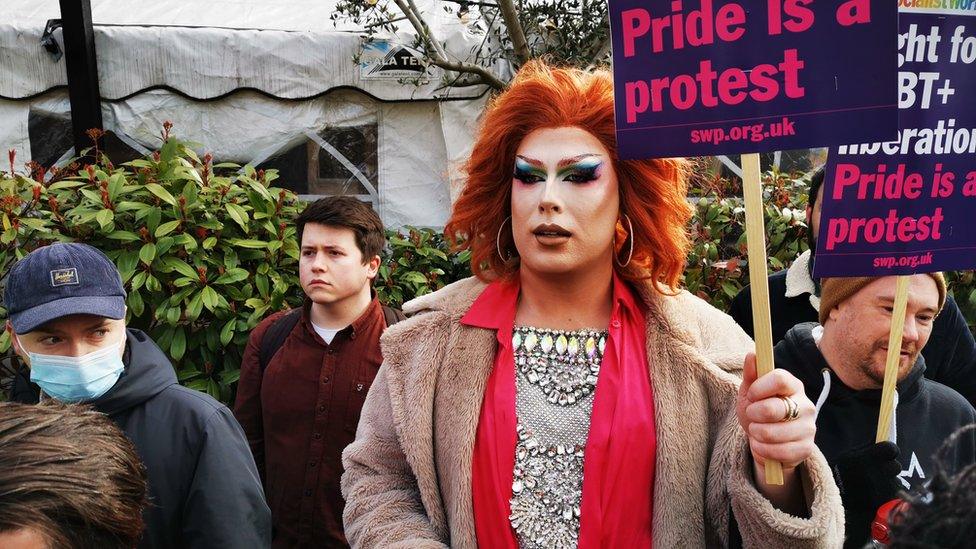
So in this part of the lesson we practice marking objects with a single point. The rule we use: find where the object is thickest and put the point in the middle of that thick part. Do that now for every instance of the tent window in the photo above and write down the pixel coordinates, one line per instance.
(340, 160)
(51, 140)
(332, 169)
(50, 136)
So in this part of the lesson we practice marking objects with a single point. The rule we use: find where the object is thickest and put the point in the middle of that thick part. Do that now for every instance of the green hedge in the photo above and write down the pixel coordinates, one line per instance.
(206, 250)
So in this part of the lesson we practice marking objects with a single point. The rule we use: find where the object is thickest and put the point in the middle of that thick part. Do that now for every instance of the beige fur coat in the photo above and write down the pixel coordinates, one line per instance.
(407, 480)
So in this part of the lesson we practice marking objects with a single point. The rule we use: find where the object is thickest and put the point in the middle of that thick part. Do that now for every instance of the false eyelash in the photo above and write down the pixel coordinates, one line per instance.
(589, 174)
(524, 175)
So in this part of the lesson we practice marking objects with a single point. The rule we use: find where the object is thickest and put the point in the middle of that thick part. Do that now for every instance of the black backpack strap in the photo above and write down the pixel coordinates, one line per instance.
(275, 337)
(392, 315)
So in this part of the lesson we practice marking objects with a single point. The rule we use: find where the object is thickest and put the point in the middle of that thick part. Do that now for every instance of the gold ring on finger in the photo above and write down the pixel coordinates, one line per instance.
(792, 409)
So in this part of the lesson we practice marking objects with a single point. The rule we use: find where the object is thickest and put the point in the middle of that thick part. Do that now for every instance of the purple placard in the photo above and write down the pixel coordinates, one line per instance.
(924, 218)
(751, 75)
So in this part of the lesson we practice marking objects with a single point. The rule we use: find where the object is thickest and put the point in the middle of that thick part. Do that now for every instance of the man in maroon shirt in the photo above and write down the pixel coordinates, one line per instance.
(306, 372)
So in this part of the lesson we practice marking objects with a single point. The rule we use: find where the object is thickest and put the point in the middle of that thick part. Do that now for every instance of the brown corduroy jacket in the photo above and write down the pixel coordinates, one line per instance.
(407, 480)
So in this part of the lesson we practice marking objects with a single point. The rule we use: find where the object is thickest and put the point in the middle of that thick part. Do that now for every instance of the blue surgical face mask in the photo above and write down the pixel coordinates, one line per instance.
(77, 378)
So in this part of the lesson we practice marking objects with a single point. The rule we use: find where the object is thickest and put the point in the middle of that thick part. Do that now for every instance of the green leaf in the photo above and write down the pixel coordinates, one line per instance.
(173, 316)
(227, 333)
(36, 224)
(239, 215)
(92, 195)
(730, 289)
(124, 236)
(178, 347)
(230, 376)
(188, 242)
(115, 185)
(140, 163)
(147, 253)
(414, 277)
(164, 244)
(64, 185)
(105, 217)
(180, 266)
(136, 304)
(210, 298)
(209, 242)
(231, 276)
(258, 188)
(198, 385)
(194, 307)
(5, 341)
(127, 262)
(263, 286)
(248, 243)
(191, 192)
(167, 228)
(138, 280)
(127, 206)
(187, 374)
(185, 281)
(153, 216)
(161, 192)
(152, 284)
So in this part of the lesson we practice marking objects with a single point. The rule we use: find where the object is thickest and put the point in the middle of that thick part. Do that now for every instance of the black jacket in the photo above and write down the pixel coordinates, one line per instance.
(927, 414)
(950, 355)
(203, 486)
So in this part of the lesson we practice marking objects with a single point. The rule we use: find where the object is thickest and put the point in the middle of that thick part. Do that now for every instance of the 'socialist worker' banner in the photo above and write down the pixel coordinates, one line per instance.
(909, 205)
(703, 77)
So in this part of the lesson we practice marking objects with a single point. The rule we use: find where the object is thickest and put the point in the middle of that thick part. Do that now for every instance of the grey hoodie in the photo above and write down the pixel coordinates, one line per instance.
(204, 488)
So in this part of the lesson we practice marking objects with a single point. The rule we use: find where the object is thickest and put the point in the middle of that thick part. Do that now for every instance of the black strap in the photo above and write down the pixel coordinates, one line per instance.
(392, 316)
(275, 337)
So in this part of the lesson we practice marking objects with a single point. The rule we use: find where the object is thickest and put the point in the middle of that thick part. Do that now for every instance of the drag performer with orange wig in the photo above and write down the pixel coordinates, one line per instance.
(570, 395)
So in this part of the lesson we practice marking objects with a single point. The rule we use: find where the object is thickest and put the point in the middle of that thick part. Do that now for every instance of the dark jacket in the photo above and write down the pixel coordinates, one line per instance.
(927, 414)
(203, 486)
(300, 412)
(950, 355)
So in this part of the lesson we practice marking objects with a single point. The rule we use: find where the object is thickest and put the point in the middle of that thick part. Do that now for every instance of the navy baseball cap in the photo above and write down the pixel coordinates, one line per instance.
(59, 280)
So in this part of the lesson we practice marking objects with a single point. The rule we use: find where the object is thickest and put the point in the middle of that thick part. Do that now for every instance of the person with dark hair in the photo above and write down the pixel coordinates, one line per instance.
(67, 320)
(841, 362)
(943, 516)
(306, 372)
(69, 479)
(794, 298)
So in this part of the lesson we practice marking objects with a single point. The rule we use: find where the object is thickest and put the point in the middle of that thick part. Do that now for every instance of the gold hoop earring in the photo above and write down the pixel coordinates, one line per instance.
(630, 236)
(498, 237)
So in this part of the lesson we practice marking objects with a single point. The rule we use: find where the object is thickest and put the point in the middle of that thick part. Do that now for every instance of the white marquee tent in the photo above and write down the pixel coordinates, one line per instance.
(275, 84)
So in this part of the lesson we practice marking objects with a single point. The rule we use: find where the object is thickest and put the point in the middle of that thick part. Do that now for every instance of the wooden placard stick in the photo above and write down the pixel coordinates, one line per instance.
(893, 359)
(756, 244)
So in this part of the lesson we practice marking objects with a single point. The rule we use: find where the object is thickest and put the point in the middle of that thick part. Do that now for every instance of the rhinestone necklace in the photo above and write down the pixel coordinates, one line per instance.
(565, 365)
(558, 371)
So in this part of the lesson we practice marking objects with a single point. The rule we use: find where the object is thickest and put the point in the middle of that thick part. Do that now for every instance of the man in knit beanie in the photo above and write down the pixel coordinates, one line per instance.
(841, 362)
(836, 290)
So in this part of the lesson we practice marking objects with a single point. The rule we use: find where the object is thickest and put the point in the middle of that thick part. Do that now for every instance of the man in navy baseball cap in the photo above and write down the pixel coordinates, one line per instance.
(66, 306)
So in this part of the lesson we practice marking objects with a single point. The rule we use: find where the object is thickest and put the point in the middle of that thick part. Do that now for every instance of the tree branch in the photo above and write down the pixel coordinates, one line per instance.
(438, 56)
(515, 31)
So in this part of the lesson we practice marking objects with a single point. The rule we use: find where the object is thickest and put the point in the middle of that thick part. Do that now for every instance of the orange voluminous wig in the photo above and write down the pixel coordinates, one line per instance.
(652, 192)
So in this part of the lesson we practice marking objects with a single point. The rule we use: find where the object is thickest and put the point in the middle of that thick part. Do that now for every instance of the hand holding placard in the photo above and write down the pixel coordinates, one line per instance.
(756, 243)
(707, 77)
